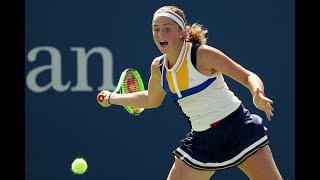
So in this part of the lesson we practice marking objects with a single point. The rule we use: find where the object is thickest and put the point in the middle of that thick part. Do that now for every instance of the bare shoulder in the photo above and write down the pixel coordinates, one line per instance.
(155, 69)
(206, 50)
(156, 62)
(211, 57)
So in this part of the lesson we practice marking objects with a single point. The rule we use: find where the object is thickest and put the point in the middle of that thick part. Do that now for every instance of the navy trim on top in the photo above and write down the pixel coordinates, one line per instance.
(187, 92)
(194, 48)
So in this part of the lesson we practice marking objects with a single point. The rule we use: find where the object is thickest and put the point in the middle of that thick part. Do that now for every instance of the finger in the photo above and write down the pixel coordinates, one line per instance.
(268, 100)
(269, 114)
(270, 107)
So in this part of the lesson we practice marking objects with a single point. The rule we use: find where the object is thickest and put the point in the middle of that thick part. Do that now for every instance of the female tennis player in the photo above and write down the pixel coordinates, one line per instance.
(223, 133)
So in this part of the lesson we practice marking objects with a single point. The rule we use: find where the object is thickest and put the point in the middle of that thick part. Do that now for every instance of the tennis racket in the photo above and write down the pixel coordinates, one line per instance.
(130, 81)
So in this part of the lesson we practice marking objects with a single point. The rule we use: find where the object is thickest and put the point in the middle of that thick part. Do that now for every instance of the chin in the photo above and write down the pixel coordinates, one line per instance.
(163, 50)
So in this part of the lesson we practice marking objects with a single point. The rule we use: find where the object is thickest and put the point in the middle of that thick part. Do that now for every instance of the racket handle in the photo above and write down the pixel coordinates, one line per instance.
(101, 98)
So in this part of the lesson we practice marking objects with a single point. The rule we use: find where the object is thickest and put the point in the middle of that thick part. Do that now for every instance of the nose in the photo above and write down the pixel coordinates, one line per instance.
(162, 33)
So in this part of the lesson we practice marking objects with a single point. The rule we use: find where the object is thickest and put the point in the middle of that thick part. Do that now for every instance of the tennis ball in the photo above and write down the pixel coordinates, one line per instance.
(79, 166)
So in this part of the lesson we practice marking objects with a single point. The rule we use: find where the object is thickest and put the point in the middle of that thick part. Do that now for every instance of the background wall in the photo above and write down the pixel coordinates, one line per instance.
(64, 121)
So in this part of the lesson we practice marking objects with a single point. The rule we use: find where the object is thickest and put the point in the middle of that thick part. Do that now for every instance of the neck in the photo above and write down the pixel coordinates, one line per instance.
(173, 57)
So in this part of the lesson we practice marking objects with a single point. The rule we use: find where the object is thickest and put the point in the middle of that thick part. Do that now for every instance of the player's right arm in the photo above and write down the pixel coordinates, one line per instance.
(150, 98)
(156, 93)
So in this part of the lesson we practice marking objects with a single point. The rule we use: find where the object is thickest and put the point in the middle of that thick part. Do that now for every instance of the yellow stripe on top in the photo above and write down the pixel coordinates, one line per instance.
(182, 74)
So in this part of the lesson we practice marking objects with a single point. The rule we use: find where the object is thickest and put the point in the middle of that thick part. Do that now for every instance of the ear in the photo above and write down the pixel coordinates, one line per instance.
(181, 34)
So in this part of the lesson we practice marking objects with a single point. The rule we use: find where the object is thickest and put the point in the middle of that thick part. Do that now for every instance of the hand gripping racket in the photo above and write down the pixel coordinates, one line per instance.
(130, 81)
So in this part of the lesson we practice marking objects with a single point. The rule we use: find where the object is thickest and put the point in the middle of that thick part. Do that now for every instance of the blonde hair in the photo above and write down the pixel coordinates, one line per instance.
(195, 33)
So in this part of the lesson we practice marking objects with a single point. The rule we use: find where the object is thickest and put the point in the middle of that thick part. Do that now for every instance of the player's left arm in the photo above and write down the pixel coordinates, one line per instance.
(219, 61)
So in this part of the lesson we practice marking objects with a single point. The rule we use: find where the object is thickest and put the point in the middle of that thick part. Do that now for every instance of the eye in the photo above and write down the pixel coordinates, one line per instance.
(156, 30)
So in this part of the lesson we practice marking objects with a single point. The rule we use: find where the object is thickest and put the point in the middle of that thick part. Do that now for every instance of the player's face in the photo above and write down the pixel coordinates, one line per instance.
(166, 34)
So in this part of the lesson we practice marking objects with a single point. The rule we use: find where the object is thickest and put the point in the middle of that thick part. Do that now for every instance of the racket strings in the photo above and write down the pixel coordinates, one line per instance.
(131, 84)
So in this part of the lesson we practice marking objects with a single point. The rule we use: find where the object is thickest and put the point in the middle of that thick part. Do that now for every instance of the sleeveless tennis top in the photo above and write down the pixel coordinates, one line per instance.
(203, 99)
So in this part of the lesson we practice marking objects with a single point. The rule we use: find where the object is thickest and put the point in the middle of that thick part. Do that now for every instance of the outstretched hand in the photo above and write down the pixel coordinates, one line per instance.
(263, 103)
(103, 98)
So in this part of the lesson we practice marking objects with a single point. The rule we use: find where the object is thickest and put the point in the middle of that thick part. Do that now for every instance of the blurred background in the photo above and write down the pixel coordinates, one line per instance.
(75, 48)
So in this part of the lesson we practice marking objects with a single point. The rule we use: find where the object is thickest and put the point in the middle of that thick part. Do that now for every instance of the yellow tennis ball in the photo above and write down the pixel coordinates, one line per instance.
(79, 166)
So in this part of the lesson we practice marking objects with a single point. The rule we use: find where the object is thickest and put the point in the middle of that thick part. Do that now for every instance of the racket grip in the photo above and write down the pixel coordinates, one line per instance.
(101, 98)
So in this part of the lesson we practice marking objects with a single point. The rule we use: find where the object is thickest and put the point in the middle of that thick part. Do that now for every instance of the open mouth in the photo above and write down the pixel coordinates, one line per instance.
(163, 43)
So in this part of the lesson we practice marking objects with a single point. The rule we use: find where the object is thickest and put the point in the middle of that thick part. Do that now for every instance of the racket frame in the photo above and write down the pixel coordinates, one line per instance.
(120, 88)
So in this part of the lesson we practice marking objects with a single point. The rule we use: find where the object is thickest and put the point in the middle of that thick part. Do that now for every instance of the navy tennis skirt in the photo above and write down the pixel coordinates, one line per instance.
(226, 144)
